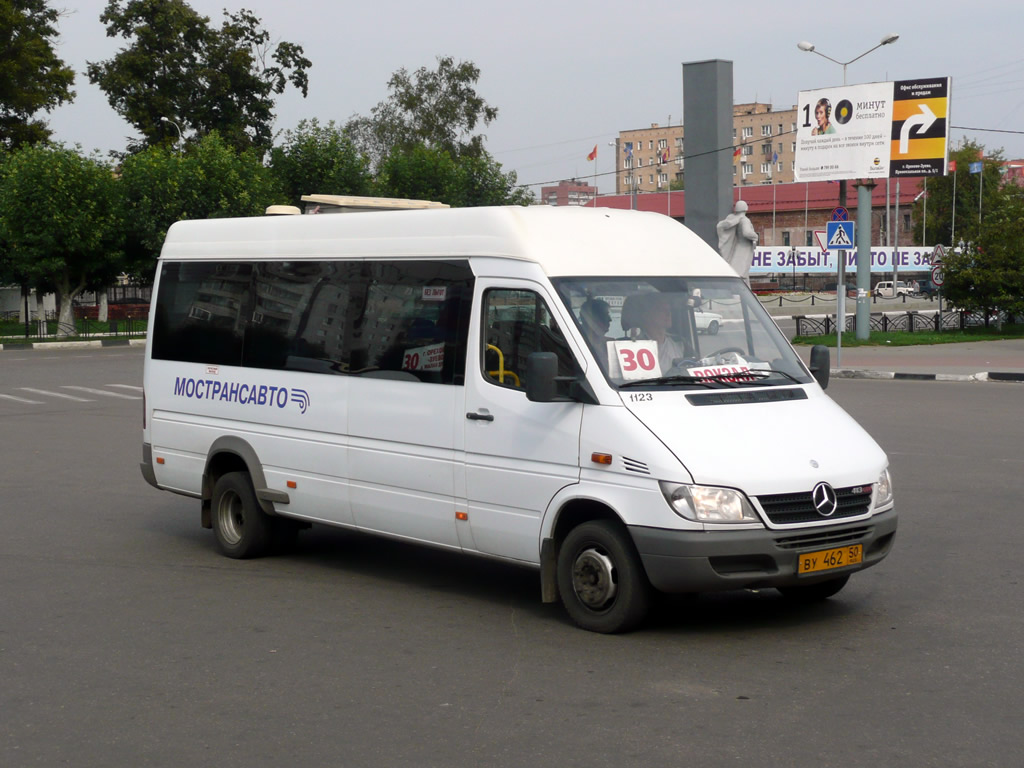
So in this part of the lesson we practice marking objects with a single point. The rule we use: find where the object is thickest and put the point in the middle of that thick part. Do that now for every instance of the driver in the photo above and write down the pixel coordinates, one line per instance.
(655, 319)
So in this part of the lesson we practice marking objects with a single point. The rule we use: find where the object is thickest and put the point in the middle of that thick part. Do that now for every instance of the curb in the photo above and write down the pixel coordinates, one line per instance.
(121, 342)
(850, 373)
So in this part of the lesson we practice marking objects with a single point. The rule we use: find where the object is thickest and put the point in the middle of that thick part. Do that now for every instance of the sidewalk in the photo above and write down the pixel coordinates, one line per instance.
(967, 361)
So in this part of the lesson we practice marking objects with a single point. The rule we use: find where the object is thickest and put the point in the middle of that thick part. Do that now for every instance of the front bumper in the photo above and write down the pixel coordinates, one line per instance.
(705, 561)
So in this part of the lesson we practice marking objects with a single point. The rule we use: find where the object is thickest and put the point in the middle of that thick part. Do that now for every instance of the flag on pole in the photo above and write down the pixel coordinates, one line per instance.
(593, 154)
(975, 167)
(627, 149)
(775, 157)
(952, 166)
(737, 152)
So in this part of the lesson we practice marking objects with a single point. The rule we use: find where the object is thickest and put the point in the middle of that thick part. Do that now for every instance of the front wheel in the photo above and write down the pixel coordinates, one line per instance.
(242, 528)
(814, 593)
(601, 579)
(712, 328)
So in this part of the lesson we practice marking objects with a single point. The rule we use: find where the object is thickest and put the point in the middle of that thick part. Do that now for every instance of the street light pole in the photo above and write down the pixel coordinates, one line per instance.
(863, 214)
(176, 127)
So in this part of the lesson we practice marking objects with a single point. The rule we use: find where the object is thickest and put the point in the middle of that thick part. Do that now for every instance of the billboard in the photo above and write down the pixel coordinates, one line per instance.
(873, 130)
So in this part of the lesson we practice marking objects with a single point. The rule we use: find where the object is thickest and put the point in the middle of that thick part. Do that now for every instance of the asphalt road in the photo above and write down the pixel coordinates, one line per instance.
(125, 639)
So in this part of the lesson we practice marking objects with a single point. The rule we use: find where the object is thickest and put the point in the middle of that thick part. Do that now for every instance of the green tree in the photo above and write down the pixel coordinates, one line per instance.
(940, 220)
(61, 221)
(430, 173)
(988, 274)
(32, 76)
(318, 159)
(204, 79)
(209, 180)
(437, 108)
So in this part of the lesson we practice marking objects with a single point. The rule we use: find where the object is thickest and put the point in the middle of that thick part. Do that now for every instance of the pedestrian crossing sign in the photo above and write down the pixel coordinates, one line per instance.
(839, 235)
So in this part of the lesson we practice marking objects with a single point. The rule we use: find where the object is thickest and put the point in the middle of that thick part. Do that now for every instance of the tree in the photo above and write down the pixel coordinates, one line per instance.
(319, 159)
(32, 77)
(437, 108)
(988, 273)
(940, 220)
(60, 217)
(209, 180)
(430, 173)
(204, 79)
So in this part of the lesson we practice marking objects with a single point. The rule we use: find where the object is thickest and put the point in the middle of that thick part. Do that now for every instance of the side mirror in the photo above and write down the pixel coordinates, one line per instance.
(541, 371)
(820, 364)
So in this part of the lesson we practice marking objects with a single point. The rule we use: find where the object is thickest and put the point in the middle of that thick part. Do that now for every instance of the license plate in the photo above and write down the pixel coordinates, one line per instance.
(827, 559)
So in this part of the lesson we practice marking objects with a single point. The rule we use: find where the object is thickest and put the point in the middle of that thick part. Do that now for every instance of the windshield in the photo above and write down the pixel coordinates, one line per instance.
(680, 332)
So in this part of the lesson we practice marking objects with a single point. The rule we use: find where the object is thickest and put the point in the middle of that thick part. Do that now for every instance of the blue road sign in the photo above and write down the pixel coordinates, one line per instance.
(840, 214)
(839, 235)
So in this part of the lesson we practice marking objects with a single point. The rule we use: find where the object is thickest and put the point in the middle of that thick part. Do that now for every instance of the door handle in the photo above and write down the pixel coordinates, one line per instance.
(477, 416)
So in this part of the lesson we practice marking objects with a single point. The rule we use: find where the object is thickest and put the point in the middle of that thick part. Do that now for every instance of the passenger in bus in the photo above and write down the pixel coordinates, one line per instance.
(595, 320)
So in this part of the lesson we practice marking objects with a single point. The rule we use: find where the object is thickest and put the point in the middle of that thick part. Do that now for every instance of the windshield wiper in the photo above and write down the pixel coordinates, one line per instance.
(730, 379)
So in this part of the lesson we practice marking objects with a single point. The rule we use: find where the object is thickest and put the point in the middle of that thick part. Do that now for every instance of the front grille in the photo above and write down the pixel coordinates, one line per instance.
(793, 508)
(824, 539)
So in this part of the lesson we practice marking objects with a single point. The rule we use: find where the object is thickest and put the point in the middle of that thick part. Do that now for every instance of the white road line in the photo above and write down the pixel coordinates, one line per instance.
(56, 394)
(103, 392)
(21, 400)
(125, 386)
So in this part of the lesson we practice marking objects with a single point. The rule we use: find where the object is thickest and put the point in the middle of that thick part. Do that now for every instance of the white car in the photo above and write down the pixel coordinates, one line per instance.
(707, 322)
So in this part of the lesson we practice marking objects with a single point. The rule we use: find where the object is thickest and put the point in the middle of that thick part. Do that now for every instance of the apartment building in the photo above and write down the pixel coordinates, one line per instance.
(650, 159)
(571, 192)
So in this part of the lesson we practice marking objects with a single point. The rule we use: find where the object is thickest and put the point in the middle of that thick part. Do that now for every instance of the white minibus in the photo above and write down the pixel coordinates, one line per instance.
(539, 385)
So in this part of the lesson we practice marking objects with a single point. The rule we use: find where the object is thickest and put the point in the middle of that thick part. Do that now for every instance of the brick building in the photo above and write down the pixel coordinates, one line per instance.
(568, 193)
(650, 159)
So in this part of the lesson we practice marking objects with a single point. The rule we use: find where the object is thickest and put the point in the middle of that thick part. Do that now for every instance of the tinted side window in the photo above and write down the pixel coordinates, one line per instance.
(402, 319)
(300, 318)
(201, 312)
(411, 321)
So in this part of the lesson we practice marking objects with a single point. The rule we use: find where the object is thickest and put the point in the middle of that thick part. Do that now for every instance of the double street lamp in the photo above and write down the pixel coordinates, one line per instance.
(803, 45)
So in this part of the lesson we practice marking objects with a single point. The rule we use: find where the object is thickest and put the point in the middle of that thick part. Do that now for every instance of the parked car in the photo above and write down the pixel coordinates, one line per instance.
(707, 322)
(885, 290)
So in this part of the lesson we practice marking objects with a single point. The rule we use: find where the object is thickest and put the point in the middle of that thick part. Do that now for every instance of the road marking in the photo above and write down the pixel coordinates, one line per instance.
(21, 400)
(56, 394)
(125, 386)
(92, 391)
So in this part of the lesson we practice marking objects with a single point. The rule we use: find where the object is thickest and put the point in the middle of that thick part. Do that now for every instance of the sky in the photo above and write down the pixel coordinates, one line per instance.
(567, 75)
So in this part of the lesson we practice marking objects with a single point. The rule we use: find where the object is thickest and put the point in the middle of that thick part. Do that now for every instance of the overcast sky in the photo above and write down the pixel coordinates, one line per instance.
(567, 75)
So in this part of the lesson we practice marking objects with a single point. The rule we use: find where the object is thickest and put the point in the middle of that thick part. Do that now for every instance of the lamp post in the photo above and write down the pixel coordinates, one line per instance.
(176, 127)
(803, 45)
(863, 213)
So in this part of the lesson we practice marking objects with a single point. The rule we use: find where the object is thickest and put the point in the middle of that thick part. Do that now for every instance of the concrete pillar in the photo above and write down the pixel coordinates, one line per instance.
(707, 113)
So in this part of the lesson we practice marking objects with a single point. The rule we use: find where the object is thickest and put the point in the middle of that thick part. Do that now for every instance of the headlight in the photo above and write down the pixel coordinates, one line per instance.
(883, 489)
(706, 504)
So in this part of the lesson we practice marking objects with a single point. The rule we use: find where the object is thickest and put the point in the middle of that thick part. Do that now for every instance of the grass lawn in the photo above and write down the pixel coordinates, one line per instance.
(917, 338)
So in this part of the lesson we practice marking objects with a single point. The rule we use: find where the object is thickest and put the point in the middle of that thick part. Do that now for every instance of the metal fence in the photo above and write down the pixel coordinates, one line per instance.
(911, 321)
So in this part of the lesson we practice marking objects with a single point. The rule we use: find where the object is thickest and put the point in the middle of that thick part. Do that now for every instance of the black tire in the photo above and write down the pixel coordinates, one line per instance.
(712, 328)
(241, 527)
(601, 579)
(814, 593)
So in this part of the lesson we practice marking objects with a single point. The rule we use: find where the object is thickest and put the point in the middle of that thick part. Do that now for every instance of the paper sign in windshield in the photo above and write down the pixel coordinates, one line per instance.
(728, 372)
(633, 360)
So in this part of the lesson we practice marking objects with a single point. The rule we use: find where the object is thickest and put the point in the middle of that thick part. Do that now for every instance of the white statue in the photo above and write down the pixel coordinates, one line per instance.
(737, 240)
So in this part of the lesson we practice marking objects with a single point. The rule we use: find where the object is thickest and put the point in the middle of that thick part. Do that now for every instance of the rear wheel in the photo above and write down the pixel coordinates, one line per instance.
(814, 593)
(242, 528)
(601, 579)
